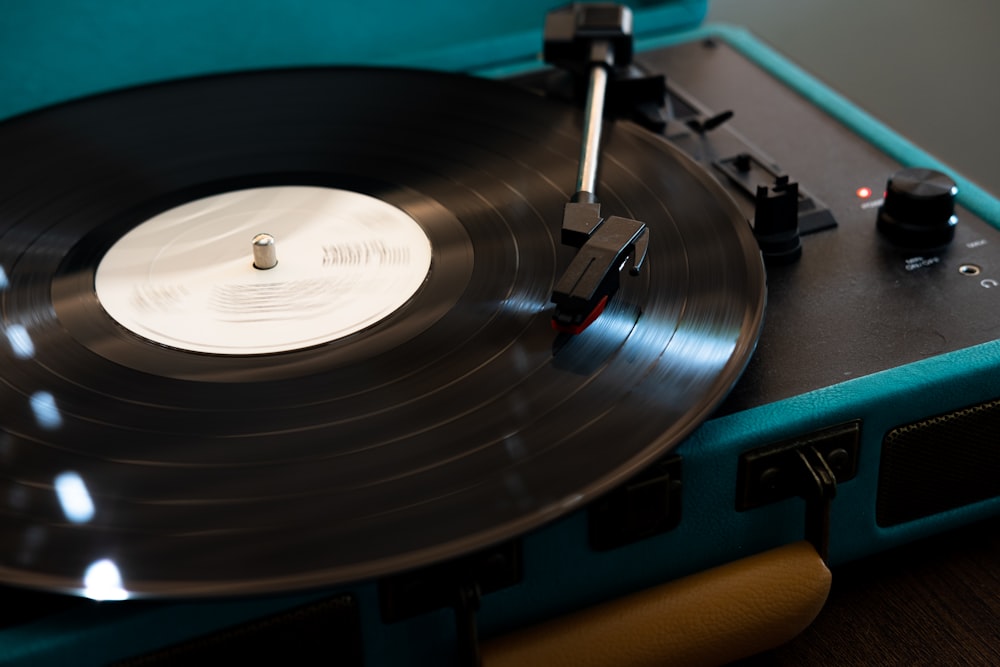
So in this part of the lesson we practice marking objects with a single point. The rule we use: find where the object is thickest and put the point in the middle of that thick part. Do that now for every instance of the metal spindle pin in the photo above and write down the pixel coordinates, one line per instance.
(264, 254)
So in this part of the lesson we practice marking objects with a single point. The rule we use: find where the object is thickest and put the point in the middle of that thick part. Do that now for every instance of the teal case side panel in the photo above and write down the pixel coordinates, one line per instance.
(55, 50)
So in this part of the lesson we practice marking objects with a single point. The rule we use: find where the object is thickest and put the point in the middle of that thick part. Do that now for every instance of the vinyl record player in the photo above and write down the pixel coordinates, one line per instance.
(683, 421)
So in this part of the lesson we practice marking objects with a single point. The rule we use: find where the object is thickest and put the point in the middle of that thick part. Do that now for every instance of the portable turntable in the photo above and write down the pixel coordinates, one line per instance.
(386, 341)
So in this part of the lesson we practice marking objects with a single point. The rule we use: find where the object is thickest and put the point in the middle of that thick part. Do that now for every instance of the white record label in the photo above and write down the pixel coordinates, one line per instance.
(186, 277)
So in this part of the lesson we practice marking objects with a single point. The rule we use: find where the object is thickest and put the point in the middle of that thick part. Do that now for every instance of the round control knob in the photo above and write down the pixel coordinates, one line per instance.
(919, 209)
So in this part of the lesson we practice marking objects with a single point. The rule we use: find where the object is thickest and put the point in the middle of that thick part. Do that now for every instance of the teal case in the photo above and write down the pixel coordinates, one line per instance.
(54, 51)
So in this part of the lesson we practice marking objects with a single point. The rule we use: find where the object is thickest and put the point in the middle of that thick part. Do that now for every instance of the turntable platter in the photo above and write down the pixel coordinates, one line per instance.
(446, 417)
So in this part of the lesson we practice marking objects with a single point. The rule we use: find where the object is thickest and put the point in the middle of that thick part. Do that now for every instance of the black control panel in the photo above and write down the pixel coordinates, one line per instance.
(860, 298)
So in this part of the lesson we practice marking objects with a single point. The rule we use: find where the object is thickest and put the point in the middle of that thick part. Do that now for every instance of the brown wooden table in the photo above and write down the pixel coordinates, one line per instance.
(934, 602)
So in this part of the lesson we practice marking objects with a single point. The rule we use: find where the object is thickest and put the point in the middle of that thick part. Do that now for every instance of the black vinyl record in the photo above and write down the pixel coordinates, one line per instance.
(137, 468)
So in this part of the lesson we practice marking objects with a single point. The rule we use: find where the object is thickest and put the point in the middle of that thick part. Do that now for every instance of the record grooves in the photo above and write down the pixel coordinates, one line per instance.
(458, 420)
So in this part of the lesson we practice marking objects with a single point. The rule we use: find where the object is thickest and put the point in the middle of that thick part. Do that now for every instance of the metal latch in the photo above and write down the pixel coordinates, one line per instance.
(809, 467)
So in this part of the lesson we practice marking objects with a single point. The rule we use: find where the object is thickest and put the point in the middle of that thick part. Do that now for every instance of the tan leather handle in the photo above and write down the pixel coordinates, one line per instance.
(710, 618)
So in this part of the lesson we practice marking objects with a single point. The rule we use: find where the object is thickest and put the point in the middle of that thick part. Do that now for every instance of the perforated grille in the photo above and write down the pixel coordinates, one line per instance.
(940, 463)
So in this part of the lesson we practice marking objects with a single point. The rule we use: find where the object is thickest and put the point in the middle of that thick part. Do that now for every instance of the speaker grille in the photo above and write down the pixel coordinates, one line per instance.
(939, 464)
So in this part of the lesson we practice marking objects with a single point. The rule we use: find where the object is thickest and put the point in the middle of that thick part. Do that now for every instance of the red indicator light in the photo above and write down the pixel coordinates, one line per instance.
(863, 193)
